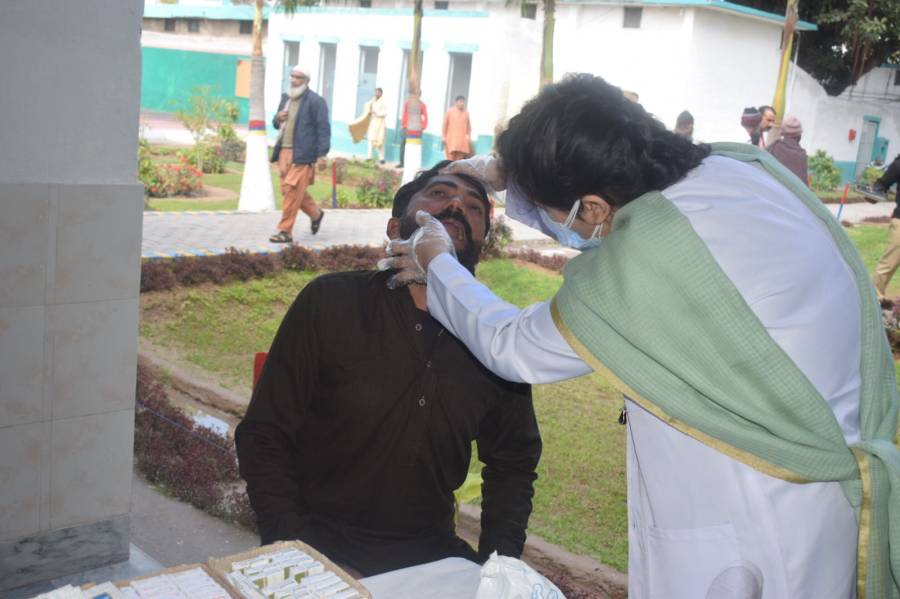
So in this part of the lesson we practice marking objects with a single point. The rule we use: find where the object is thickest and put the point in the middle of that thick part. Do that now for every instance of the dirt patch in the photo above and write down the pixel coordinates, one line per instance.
(209, 193)
(535, 267)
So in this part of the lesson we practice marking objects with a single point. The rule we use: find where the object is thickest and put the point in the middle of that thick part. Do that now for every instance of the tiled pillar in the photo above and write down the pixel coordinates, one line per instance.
(70, 233)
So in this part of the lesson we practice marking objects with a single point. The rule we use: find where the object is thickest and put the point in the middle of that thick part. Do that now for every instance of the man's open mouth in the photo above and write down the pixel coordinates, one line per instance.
(455, 229)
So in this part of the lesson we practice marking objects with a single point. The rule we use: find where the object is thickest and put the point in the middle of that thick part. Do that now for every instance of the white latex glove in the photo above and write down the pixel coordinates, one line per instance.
(485, 168)
(412, 256)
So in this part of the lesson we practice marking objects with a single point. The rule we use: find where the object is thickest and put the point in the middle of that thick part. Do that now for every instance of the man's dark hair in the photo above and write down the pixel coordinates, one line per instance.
(406, 192)
(684, 119)
(762, 110)
(582, 136)
(458, 98)
(378, 89)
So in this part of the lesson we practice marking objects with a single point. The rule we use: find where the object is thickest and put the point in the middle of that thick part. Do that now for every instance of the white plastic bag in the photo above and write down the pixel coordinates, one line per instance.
(509, 578)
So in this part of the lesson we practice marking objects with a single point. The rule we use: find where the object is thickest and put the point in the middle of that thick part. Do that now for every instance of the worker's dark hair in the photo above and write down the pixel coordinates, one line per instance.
(762, 109)
(460, 98)
(406, 192)
(378, 89)
(582, 136)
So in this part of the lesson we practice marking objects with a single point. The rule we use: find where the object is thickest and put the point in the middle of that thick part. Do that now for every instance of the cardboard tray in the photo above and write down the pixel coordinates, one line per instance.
(222, 565)
(229, 590)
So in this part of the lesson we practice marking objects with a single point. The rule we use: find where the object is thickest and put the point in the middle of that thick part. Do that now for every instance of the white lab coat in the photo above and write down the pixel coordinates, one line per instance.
(701, 524)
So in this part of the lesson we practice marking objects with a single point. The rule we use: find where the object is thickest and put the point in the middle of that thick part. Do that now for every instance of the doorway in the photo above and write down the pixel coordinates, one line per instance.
(458, 78)
(866, 152)
(368, 71)
(291, 58)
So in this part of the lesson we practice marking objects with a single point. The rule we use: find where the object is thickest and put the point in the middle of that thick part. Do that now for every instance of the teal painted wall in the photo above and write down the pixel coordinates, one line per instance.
(169, 77)
(848, 170)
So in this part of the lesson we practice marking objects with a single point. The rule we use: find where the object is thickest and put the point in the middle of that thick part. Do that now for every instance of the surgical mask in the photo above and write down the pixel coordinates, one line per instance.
(566, 235)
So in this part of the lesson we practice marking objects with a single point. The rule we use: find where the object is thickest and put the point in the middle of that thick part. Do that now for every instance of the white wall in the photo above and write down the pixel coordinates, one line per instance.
(827, 120)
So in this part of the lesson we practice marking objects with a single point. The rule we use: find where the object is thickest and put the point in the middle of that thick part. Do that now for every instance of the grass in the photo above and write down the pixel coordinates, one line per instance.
(580, 496)
(870, 241)
(230, 180)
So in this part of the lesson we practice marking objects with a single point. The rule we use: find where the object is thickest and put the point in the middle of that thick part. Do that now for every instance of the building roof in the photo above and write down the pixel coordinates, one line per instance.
(721, 5)
(227, 11)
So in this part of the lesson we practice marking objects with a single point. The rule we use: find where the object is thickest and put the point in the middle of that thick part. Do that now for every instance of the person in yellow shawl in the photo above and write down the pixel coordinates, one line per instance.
(376, 108)
(738, 320)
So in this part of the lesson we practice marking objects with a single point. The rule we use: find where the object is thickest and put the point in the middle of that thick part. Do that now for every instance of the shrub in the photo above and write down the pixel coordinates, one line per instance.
(192, 462)
(244, 265)
(157, 276)
(340, 169)
(349, 257)
(556, 262)
(194, 271)
(870, 175)
(498, 239)
(825, 176)
(207, 156)
(378, 192)
(296, 257)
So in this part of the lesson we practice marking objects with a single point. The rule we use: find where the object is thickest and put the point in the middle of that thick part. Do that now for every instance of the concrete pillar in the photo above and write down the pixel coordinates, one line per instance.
(70, 236)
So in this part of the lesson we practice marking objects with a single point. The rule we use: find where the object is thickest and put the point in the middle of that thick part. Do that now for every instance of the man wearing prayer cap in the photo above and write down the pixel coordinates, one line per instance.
(787, 149)
(750, 121)
(362, 422)
(305, 139)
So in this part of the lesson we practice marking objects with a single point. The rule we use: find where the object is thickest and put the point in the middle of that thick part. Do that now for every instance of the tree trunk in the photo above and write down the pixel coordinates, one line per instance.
(779, 101)
(547, 43)
(256, 184)
(412, 152)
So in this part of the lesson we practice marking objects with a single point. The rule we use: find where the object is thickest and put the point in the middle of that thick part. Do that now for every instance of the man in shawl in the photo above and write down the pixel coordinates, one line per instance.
(787, 150)
(457, 130)
(750, 121)
(376, 108)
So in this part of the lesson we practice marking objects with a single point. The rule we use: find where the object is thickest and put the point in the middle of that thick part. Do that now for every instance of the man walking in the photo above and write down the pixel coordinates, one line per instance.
(305, 139)
(457, 130)
(890, 260)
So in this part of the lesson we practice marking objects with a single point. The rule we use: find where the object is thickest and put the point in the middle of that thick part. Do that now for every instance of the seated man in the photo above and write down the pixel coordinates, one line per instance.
(362, 422)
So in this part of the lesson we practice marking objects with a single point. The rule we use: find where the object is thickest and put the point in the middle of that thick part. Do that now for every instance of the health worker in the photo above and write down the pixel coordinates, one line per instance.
(733, 312)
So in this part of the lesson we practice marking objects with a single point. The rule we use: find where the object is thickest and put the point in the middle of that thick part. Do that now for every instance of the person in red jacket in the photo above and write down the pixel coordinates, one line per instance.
(412, 125)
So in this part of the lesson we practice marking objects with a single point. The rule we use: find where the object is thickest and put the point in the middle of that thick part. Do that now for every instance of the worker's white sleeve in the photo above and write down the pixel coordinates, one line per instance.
(518, 345)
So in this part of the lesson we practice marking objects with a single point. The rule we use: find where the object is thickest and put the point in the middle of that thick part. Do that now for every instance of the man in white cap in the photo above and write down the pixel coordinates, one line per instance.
(305, 139)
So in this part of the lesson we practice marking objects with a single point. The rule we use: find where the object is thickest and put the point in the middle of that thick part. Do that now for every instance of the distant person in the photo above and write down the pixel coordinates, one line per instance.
(750, 121)
(376, 108)
(305, 139)
(768, 116)
(412, 125)
(457, 130)
(787, 149)
(684, 125)
(890, 260)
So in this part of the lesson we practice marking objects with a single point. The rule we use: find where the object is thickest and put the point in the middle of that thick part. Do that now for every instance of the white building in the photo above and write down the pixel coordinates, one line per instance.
(710, 57)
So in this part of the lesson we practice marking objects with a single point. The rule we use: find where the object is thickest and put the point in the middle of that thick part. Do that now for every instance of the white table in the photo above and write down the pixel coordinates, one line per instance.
(450, 578)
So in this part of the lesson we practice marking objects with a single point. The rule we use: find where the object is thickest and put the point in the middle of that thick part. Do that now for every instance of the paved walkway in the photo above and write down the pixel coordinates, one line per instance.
(171, 234)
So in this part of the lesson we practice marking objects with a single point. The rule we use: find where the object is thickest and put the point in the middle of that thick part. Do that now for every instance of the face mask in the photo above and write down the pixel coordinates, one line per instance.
(566, 235)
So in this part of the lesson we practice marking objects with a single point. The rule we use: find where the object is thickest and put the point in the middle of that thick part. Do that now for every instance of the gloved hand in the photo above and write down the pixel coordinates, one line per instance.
(412, 256)
(485, 168)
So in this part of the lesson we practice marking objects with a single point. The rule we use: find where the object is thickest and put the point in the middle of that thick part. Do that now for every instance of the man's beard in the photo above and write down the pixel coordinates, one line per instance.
(469, 255)
(297, 91)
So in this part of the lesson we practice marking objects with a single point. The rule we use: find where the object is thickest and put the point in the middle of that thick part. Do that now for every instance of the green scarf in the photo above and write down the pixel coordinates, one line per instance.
(652, 309)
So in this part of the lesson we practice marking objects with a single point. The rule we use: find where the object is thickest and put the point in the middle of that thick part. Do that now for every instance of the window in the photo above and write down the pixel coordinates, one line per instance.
(169, 24)
(529, 10)
(632, 17)
(365, 3)
(441, 5)
(246, 27)
(193, 25)
(291, 58)
(897, 77)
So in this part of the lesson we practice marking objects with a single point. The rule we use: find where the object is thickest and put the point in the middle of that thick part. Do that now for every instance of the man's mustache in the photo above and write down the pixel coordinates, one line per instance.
(451, 214)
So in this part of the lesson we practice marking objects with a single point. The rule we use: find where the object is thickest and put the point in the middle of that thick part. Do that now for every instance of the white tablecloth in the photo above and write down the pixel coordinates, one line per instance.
(450, 578)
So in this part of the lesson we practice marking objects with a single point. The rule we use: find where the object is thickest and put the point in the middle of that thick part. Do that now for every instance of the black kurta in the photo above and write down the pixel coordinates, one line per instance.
(361, 426)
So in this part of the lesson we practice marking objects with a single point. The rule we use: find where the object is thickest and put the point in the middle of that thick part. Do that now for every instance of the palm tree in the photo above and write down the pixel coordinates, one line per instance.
(787, 46)
(256, 184)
